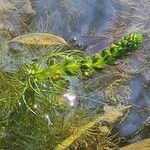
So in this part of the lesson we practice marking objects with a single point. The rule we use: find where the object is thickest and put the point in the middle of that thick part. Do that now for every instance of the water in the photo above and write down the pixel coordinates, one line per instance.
(96, 23)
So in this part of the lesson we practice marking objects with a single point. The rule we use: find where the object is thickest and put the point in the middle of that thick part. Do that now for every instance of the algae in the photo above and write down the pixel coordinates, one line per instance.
(36, 115)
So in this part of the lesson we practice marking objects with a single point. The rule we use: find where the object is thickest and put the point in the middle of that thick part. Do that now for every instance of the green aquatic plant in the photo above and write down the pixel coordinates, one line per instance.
(69, 65)
(39, 113)
(10, 92)
(54, 68)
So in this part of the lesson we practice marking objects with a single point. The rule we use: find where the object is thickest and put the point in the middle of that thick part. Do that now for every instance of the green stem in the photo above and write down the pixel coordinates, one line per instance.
(75, 66)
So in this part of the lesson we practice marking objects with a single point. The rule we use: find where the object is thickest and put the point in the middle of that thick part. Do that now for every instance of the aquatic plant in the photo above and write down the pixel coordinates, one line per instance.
(9, 93)
(96, 131)
(39, 113)
(86, 65)
(48, 117)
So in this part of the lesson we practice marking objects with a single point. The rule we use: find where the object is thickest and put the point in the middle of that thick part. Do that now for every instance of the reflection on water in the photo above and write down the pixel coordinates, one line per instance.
(96, 23)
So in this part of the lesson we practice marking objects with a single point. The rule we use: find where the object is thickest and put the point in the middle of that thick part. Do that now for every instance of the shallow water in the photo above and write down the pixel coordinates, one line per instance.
(96, 23)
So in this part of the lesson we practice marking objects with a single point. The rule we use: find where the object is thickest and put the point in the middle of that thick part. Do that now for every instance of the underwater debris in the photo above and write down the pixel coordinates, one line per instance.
(42, 40)
(141, 145)
(115, 94)
(38, 39)
(35, 40)
(82, 135)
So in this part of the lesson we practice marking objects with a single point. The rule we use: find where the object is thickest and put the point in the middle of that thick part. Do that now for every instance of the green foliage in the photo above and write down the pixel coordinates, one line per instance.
(63, 64)
(10, 91)
(34, 113)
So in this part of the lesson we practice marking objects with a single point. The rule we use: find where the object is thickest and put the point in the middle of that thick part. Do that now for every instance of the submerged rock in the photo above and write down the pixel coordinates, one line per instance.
(14, 16)
(39, 39)
(36, 39)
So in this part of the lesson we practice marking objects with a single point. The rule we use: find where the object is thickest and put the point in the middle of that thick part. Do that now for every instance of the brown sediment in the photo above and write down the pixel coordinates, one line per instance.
(141, 145)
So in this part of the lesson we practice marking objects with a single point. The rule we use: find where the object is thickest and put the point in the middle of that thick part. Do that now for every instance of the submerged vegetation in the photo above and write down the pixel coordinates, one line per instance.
(86, 88)
(60, 63)
(38, 110)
